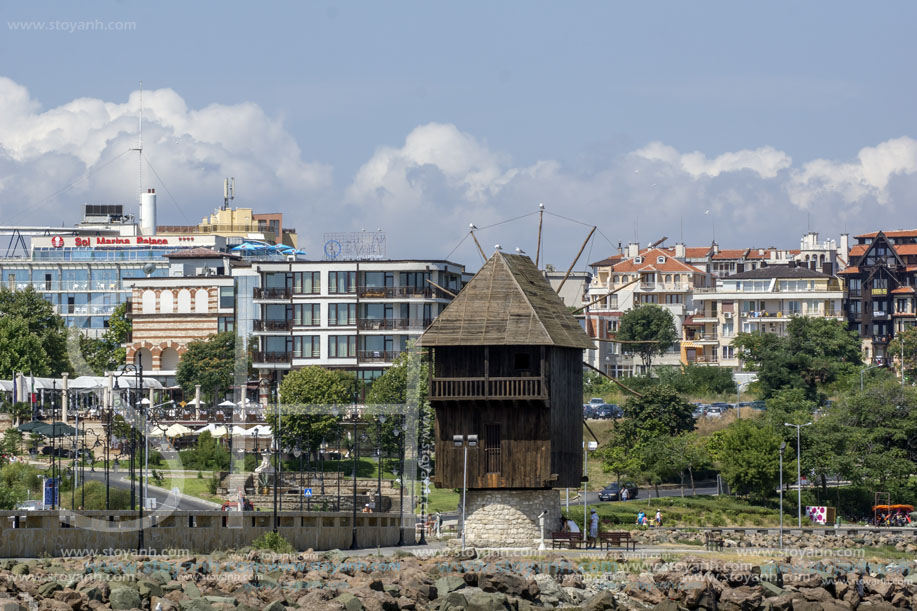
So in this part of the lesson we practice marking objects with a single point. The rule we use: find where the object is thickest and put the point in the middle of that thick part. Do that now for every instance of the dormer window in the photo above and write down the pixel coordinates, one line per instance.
(660, 259)
(638, 260)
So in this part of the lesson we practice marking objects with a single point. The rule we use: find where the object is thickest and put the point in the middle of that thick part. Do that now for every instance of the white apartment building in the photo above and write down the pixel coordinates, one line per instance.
(658, 276)
(763, 300)
(355, 315)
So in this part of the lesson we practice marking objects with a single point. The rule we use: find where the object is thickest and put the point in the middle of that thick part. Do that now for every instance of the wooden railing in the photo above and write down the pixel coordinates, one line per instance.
(389, 292)
(271, 325)
(271, 357)
(446, 389)
(271, 293)
(384, 324)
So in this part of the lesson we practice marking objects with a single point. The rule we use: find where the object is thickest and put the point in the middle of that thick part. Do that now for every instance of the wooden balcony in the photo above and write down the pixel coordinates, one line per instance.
(271, 357)
(387, 324)
(488, 389)
(271, 293)
(271, 325)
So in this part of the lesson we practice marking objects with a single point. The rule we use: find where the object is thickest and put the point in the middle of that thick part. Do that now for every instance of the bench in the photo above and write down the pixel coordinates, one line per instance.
(713, 540)
(608, 540)
(566, 539)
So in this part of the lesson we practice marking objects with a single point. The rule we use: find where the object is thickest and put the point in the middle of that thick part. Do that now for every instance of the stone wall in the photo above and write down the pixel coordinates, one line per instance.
(509, 518)
(47, 532)
(904, 540)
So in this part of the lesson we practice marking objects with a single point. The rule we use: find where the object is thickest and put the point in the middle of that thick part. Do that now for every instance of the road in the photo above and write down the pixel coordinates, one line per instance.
(644, 493)
(185, 502)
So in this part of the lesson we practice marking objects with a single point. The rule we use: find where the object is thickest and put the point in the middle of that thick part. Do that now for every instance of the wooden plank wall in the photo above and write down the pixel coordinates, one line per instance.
(525, 445)
(565, 371)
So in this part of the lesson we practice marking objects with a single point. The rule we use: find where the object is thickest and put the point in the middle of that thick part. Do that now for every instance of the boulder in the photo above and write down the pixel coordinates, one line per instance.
(454, 601)
(195, 604)
(47, 589)
(148, 589)
(602, 601)
(274, 606)
(448, 583)
(741, 598)
(349, 602)
(20, 569)
(644, 591)
(548, 586)
(123, 597)
(8, 604)
(486, 601)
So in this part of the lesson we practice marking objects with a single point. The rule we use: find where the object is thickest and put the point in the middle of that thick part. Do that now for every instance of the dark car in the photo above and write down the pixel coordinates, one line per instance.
(759, 405)
(608, 411)
(612, 492)
(588, 411)
(58, 451)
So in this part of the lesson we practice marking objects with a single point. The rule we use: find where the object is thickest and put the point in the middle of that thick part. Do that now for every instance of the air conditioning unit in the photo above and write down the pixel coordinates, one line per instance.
(727, 314)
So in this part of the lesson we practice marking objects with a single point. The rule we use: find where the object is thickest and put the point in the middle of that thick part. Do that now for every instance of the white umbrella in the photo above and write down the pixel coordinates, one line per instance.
(177, 430)
(226, 403)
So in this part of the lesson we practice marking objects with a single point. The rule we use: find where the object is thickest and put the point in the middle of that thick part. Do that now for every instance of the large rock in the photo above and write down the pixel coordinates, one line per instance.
(448, 583)
(742, 598)
(196, 604)
(274, 606)
(602, 601)
(123, 597)
(548, 586)
(349, 602)
(644, 591)
(49, 588)
(486, 601)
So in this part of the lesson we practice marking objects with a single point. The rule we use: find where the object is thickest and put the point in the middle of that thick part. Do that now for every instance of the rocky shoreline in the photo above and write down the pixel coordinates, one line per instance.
(260, 581)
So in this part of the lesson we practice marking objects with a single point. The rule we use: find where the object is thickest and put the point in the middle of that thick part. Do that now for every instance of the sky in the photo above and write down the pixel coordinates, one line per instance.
(747, 123)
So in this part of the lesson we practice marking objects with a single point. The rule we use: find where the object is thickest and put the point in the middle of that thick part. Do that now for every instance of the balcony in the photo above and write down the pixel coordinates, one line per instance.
(705, 360)
(272, 357)
(647, 286)
(377, 356)
(390, 324)
(271, 293)
(272, 325)
(486, 389)
(394, 292)
(702, 338)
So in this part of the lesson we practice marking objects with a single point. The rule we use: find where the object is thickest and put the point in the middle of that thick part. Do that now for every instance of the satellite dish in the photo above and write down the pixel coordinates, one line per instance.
(148, 269)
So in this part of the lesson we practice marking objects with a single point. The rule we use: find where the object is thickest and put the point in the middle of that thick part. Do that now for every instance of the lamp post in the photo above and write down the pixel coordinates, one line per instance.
(798, 475)
(323, 447)
(465, 442)
(276, 448)
(782, 448)
(355, 418)
(297, 452)
(377, 506)
(400, 433)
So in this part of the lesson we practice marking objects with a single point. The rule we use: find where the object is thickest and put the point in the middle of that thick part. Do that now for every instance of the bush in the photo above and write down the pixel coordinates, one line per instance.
(214, 483)
(274, 542)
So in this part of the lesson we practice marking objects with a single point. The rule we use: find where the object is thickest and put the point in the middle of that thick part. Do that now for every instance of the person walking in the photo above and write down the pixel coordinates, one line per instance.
(593, 529)
(624, 494)
(658, 517)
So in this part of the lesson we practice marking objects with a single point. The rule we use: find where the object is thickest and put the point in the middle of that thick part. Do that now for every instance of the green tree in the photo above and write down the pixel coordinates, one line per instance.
(42, 322)
(660, 411)
(210, 364)
(746, 453)
(19, 411)
(813, 353)
(905, 342)
(392, 388)
(107, 352)
(12, 441)
(649, 330)
(618, 460)
(21, 350)
(207, 454)
(312, 386)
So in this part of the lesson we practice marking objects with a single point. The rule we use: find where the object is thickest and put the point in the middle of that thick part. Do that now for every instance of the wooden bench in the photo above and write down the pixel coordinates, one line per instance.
(566, 539)
(609, 540)
(713, 540)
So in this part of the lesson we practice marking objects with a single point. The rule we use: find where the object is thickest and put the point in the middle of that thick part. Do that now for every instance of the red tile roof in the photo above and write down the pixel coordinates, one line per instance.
(904, 289)
(899, 233)
(649, 264)
(858, 249)
(906, 249)
(697, 252)
(608, 262)
(849, 270)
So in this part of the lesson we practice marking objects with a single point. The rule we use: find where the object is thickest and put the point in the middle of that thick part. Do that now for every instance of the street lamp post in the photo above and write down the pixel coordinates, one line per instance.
(297, 452)
(354, 417)
(798, 475)
(464, 441)
(864, 370)
(401, 433)
(782, 448)
(378, 504)
(276, 448)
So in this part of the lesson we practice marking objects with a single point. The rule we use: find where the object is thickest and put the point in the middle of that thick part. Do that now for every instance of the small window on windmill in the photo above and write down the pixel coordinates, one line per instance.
(522, 361)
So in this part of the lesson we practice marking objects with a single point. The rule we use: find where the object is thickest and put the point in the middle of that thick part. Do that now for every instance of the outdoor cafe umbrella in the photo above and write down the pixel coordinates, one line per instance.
(177, 430)
(58, 429)
(30, 427)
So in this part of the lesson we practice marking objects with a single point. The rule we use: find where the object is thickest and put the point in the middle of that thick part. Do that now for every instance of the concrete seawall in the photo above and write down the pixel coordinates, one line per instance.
(37, 533)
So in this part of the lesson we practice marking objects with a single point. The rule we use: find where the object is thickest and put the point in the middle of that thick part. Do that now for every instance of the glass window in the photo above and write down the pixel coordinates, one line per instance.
(306, 347)
(225, 323)
(307, 314)
(342, 314)
(342, 282)
(227, 296)
(307, 283)
(275, 280)
(342, 346)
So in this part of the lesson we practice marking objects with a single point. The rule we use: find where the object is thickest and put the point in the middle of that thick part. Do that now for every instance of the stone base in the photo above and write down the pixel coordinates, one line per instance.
(509, 518)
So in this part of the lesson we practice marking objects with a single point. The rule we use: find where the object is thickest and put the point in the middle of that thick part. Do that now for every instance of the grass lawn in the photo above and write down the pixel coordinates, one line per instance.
(687, 511)
(190, 486)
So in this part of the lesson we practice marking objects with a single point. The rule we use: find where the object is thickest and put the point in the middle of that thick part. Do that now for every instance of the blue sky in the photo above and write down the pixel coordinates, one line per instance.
(421, 117)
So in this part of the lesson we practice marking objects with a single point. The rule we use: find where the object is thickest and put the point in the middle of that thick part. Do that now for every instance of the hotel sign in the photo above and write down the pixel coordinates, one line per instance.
(177, 241)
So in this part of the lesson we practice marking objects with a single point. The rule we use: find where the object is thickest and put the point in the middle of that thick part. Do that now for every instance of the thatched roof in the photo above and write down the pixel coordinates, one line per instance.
(508, 302)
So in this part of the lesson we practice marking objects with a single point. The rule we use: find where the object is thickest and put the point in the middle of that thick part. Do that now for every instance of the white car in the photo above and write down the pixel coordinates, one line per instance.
(714, 412)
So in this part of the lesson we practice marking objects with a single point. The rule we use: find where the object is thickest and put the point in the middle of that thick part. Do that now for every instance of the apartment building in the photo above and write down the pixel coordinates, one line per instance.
(653, 275)
(763, 300)
(881, 281)
(355, 315)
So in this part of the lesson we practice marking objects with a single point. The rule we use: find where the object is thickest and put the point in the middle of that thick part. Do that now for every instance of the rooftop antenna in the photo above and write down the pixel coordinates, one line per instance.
(139, 148)
(229, 191)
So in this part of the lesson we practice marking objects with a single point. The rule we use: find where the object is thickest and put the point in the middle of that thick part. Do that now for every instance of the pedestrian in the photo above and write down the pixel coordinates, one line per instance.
(593, 529)
(641, 519)
(439, 524)
(572, 527)
(624, 494)
(658, 517)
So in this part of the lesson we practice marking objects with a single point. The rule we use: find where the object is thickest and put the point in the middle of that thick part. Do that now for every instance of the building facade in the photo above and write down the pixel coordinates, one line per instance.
(881, 279)
(761, 300)
(355, 315)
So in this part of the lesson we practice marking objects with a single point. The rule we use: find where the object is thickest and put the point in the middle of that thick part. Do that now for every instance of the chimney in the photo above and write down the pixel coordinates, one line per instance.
(716, 248)
(633, 249)
(827, 268)
(680, 251)
(773, 254)
(844, 248)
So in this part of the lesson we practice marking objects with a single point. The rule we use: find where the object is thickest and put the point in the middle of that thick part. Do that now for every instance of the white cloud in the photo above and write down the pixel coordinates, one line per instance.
(190, 149)
(766, 161)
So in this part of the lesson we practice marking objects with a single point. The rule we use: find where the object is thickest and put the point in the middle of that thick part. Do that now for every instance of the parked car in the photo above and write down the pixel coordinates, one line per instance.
(612, 492)
(588, 411)
(759, 405)
(595, 401)
(608, 411)
(698, 412)
(234, 505)
(58, 451)
(714, 412)
(30, 506)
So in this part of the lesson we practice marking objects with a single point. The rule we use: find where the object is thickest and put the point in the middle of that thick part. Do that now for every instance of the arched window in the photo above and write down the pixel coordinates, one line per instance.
(146, 358)
(168, 360)
(166, 302)
(184, 301)
(149, 302)
(201, 301)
